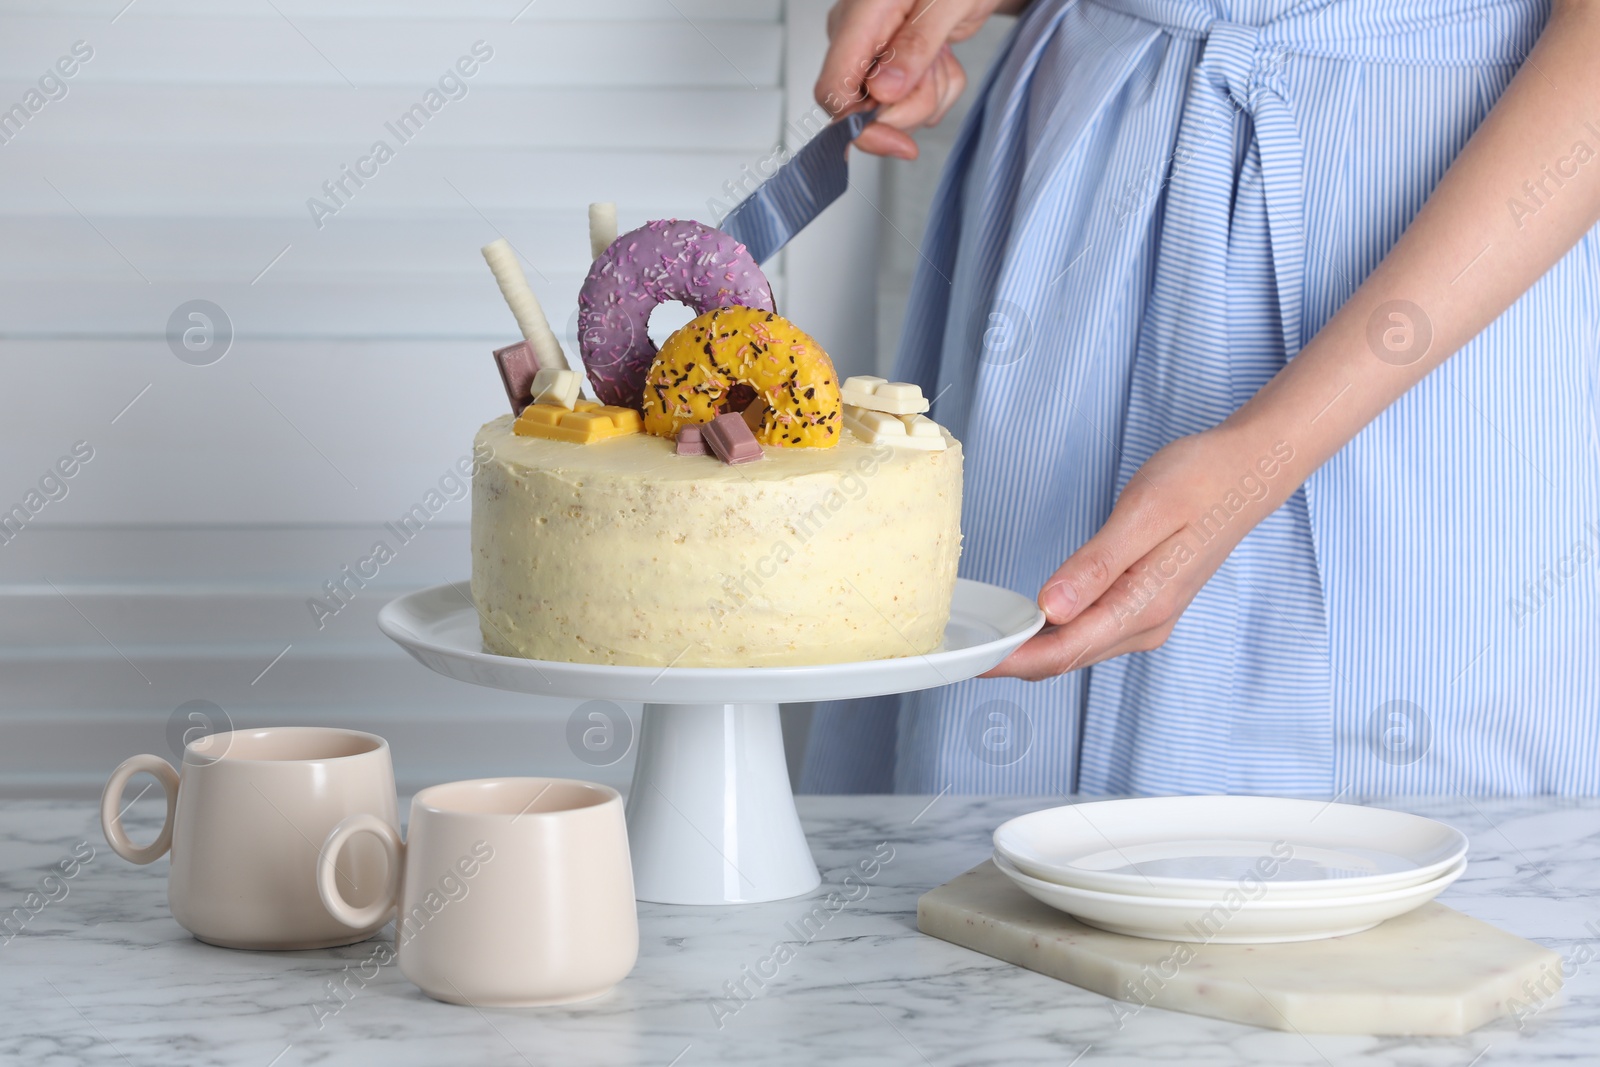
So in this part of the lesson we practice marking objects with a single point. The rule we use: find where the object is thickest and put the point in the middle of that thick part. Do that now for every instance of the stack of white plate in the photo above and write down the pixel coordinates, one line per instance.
(1229, 870)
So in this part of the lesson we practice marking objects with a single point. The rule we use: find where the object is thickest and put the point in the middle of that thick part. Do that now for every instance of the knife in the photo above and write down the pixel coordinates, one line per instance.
(785, 203)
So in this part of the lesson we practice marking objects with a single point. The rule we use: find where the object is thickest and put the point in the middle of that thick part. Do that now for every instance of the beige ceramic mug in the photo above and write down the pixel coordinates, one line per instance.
(512, 891)
(245, 819)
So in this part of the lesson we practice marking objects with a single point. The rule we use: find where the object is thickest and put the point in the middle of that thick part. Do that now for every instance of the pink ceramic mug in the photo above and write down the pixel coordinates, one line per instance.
(512, 891)
(245, 819)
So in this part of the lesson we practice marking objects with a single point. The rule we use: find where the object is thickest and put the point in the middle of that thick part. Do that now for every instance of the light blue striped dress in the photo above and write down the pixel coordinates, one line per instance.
(1153, 205)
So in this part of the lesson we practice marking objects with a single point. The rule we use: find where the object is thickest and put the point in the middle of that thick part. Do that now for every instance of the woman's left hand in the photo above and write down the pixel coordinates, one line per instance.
(1176, 521)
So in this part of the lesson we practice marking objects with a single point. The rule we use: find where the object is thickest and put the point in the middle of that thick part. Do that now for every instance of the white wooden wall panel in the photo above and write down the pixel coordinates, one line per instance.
(277, 432)
(413, 305)
(198, 181)
(104, 631)
(522, 11)
(178, 166)
(262, 120)
(230, 48)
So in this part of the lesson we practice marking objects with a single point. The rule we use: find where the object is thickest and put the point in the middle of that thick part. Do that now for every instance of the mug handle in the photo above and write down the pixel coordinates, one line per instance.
(327, 864)
(111, 818)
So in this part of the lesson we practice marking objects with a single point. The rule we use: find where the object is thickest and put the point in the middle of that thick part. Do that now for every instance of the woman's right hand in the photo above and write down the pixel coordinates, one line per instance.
(895, 55)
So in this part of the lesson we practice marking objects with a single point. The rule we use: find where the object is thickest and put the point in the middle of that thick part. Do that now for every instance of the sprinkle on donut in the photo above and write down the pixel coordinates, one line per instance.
(732, 357)
(663, 260)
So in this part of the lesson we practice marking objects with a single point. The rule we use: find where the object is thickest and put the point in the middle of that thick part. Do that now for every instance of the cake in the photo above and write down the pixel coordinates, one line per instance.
(623, 552)
(731, 504)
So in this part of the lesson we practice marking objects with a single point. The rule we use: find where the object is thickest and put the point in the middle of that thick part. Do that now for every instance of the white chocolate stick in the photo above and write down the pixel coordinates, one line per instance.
(524, 305)
(602, 227)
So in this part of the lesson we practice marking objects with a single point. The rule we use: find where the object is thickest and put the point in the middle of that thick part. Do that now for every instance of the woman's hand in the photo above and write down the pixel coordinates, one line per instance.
(1174, 524)
(895, 54)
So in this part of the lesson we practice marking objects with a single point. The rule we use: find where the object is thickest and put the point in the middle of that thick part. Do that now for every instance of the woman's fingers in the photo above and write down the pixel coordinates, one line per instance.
(925, 106)
(916, 44)
(1056, 649)
(952, 83)
(1126, 588)
(927, 103)
(1128, 534)
(859, 32)
(886, 48)
(915, 108)
(882, 139)
(1093, 637)
(1137, 613)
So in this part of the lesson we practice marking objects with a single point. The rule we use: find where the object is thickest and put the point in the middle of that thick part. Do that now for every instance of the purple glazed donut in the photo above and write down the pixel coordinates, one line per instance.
(663, 260)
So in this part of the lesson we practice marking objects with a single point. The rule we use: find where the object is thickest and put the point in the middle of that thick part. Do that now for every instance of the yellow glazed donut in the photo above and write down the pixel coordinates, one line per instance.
(697, 374)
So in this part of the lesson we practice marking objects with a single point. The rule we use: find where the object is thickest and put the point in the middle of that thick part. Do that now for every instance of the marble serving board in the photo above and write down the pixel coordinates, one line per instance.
(1431, 972)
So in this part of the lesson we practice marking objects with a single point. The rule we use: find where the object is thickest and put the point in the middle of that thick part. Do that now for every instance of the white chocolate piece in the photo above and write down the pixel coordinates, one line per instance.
(879, 394)
(872, 426)
(602, 227)
(897, 431)
(559, 387)
(920, 426)
(524, 305)
(862, 385)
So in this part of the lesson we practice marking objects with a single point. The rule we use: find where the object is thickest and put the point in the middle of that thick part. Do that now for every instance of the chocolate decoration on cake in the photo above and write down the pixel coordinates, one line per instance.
(730, 439)
(691, 442)
(518, 367)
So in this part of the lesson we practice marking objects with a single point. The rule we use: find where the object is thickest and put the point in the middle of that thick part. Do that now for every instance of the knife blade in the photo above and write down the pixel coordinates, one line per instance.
(783, 205)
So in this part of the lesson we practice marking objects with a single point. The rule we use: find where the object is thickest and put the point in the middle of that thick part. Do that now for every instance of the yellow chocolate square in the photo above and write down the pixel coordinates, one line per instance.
(587, 423)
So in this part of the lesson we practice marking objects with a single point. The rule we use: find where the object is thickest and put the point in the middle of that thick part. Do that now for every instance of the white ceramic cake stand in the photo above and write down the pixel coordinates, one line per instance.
(711, 818)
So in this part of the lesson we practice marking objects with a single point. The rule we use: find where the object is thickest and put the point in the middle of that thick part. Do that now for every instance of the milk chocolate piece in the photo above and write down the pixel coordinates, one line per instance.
(753, 414)
(690, 441)
(518, 367)
(730, 439)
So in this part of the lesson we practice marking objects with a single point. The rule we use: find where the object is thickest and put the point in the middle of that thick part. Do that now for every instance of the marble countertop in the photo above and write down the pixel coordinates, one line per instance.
(102, 974)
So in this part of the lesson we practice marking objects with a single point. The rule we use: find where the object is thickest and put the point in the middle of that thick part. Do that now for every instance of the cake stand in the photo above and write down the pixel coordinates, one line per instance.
(711, 818)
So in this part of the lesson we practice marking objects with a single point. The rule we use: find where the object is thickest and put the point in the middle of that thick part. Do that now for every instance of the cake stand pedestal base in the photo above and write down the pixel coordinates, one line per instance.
(711, 818)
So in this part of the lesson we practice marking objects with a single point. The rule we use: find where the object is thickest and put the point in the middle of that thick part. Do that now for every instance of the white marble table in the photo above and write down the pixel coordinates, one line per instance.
(103, 975)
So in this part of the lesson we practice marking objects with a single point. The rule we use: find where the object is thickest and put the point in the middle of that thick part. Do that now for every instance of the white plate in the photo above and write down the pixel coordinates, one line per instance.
(1199, 847)
(439, 627)
(1239, 921)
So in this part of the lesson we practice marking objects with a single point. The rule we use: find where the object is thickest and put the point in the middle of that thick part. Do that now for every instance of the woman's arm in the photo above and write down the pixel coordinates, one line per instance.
(1521, 193)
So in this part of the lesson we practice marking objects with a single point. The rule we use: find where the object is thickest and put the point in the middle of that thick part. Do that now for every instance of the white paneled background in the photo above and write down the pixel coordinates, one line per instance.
(177, 167)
